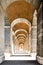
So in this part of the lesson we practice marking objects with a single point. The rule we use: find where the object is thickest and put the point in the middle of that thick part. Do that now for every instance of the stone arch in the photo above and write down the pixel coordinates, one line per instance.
(21, 36)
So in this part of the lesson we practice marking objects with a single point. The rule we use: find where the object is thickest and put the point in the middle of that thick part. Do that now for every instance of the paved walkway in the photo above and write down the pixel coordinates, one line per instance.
(20, 63)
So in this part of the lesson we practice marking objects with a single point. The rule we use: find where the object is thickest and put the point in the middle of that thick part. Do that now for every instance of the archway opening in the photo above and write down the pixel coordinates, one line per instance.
(20, 36)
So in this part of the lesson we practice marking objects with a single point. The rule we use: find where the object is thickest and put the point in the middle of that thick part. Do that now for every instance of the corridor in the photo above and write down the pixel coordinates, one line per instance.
(21, 32)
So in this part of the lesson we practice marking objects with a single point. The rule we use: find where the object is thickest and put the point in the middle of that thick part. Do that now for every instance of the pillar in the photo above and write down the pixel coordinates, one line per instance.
(1, 35)
(34, 33)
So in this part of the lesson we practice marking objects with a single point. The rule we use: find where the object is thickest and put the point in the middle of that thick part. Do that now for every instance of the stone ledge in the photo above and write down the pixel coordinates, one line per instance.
(40, 59)
(9, 56)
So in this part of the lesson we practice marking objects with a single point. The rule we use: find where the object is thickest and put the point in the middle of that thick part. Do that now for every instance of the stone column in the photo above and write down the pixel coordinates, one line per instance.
(34, 33)
(1, 35)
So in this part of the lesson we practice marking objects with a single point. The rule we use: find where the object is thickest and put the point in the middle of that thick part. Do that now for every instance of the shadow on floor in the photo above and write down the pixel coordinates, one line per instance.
(20, 63)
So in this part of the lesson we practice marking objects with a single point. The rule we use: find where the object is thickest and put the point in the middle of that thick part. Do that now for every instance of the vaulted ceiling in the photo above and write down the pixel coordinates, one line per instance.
(20, 8)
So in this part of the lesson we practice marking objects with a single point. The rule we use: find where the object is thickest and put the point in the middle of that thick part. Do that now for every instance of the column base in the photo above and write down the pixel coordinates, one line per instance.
(1, 59)
(40, 59)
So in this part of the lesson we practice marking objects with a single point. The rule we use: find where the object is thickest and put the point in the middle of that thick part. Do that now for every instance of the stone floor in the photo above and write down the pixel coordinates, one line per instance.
(20, 63)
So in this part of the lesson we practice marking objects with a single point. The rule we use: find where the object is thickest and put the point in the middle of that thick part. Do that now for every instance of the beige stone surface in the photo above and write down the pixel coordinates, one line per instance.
(1, 35)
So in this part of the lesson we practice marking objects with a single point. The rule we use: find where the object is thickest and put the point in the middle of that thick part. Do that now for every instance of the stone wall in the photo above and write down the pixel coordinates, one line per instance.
(40, 36)
(7, 36)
